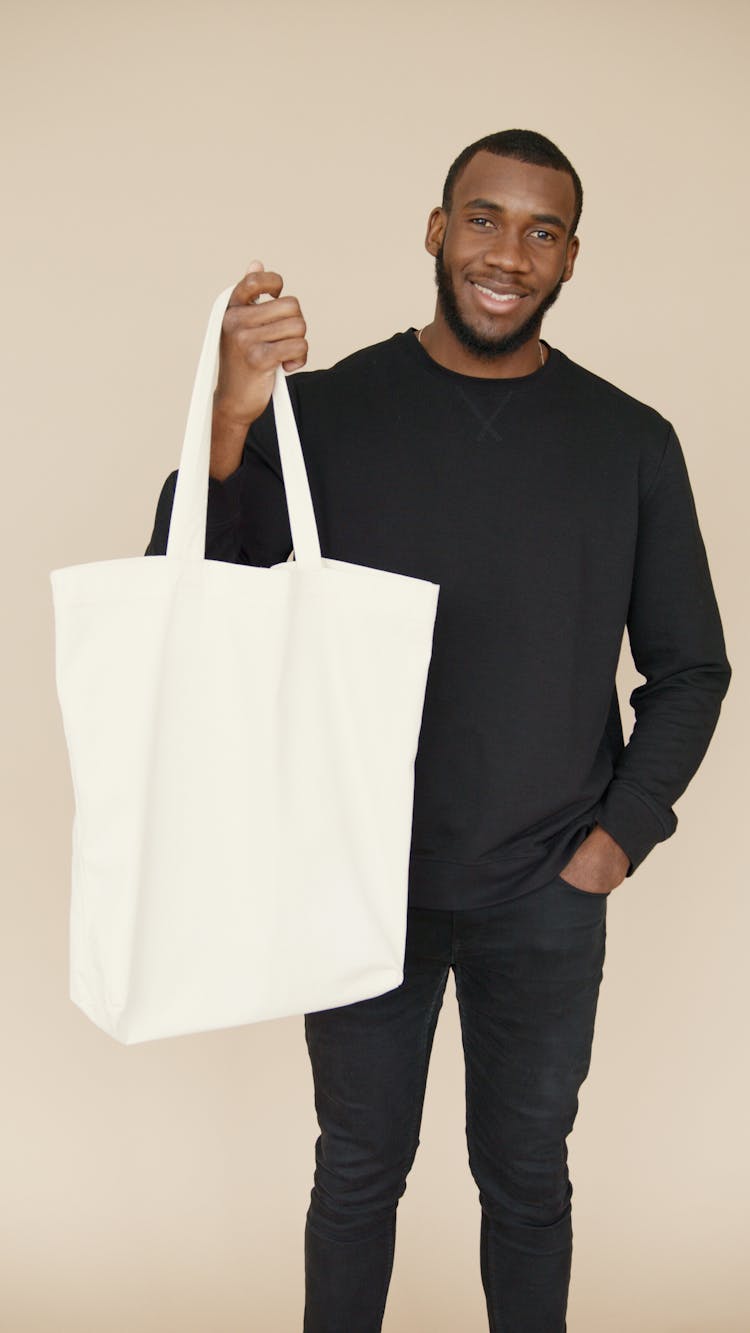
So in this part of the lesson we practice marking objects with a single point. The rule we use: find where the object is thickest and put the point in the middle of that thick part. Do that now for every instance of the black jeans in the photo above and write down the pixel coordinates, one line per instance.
(527, 976)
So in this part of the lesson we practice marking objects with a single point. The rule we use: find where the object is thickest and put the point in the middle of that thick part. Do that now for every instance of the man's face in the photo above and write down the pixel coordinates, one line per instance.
(507, 233)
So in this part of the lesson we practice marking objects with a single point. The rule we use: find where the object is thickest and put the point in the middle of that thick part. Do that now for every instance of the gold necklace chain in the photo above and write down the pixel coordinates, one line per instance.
(424, 326)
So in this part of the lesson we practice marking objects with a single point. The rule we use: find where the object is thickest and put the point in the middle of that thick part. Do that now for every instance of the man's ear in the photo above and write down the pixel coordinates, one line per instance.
(574, 246)
(436, 225)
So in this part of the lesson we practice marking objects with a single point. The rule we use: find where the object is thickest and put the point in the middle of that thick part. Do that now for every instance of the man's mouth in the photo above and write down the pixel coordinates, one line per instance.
(508, 297)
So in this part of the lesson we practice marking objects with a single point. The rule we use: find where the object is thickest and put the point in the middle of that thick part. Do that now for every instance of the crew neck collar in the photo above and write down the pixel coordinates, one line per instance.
(536, 377)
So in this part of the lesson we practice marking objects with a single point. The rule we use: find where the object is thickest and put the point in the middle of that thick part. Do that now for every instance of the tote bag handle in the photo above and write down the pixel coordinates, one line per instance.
(187, 528)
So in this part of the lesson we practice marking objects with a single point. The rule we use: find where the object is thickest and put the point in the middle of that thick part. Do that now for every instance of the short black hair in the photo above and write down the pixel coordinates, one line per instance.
(524, 146)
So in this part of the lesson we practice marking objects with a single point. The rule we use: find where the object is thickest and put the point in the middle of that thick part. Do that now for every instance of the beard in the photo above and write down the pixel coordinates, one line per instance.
(467, 336)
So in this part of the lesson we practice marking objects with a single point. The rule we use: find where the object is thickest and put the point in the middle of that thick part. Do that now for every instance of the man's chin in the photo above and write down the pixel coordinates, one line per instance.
(477, 340)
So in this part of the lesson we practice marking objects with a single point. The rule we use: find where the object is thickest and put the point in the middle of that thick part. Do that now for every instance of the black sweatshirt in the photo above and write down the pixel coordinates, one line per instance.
(554, 510)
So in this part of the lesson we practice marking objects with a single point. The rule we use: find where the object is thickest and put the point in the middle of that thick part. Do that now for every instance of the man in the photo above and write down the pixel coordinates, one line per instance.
(554, 510)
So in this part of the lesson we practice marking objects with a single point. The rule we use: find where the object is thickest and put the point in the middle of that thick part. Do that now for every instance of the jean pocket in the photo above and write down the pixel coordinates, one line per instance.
(585, 893)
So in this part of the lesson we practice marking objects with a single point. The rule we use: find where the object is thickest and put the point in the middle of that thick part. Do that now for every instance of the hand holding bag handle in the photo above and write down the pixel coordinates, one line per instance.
(187, 529)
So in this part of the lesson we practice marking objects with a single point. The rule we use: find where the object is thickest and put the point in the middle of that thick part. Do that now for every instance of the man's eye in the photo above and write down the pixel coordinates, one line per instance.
(541, 232)
(478, 219)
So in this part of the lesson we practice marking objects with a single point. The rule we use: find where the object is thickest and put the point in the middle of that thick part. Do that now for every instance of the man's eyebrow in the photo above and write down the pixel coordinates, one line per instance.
(490, 207)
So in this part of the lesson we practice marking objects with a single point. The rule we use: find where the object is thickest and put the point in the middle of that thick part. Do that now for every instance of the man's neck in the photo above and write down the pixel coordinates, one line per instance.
(444, 347)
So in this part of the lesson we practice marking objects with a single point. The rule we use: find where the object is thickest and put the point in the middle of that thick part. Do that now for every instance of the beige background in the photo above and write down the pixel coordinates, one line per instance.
(151, 151)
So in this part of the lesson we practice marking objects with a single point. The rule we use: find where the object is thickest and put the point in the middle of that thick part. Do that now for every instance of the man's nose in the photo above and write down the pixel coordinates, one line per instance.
(507, 251)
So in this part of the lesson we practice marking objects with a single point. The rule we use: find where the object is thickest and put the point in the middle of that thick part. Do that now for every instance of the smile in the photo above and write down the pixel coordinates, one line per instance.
(498, 298)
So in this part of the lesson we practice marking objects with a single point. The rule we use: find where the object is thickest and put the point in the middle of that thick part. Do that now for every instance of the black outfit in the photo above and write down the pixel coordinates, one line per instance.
(527, 976)
(554, 510)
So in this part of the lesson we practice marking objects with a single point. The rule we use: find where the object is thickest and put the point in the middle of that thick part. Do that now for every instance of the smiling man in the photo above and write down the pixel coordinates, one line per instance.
(555, 511)
(491, 305)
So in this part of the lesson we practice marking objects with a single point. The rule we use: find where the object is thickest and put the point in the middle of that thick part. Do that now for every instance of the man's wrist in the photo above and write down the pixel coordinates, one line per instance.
(615, 848)
(228, 437)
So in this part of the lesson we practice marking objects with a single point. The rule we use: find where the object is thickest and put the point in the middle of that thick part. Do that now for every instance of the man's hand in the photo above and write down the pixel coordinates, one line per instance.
(599, 864)
(256, 337)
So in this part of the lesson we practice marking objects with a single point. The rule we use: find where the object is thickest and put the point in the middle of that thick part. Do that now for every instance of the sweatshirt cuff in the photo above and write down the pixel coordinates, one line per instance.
(632, 823)
(224, 499)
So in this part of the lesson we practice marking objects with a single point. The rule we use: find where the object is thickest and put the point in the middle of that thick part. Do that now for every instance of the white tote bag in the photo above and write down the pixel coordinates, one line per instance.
(242, 744)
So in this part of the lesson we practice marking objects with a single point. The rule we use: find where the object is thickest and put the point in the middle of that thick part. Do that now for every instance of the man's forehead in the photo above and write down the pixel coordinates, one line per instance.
(505, 180)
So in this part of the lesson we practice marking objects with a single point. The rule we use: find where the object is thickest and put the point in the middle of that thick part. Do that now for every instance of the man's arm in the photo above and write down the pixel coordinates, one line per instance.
(677, 642)
(247, 519)
(222, 535)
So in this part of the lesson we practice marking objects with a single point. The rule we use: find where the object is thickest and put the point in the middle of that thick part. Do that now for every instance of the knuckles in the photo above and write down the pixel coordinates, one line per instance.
(263, 356)
(240, 329)
(240, 317)
(257, 355)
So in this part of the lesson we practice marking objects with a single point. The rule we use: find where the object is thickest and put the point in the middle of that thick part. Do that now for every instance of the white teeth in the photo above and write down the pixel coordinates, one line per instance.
(496, 296)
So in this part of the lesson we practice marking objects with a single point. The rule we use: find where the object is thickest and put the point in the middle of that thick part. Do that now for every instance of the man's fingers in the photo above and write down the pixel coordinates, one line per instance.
(256, 284)
(292, 327)
(262, 281)
(243, 317)
(265, 356)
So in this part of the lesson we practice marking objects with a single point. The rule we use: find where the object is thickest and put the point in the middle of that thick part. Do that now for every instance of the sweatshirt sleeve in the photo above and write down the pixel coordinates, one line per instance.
(247, 519)
(677, 642)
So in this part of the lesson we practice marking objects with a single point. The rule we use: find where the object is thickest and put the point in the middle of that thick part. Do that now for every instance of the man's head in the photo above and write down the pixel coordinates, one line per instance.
(511, 205)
